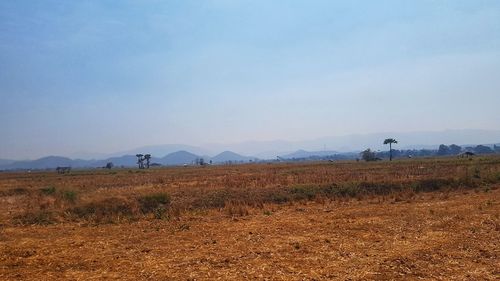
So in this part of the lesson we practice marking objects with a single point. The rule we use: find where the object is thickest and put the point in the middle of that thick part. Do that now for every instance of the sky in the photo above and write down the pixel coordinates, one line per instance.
(104, 76)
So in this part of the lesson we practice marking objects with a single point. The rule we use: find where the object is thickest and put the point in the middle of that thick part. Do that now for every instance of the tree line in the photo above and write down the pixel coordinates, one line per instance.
(443, 150)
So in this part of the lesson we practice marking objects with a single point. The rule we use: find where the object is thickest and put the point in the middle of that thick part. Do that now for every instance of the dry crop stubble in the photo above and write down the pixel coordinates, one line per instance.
(430, 218)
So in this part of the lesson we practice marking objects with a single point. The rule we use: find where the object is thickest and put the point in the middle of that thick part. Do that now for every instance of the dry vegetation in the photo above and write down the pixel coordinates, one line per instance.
(409, 219)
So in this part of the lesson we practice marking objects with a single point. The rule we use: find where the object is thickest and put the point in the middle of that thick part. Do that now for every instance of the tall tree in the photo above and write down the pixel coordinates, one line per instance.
(147, 157)
(443, 150)
(140, 160)
(390, 142)
(455, 149)
(483, 149)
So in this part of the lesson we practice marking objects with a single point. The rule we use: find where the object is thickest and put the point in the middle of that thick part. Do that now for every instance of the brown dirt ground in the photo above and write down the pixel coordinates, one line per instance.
(439, 236)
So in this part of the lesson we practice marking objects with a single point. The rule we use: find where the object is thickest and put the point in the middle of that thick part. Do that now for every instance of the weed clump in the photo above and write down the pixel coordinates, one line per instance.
(14, 191)
(50, 190)
(428, 185)
(103, 210)
(236, 209)
(153, 202)
(346, 190)
(215, 199)
(35, 218)
(307, 192)
(277, 196)
(69, 195)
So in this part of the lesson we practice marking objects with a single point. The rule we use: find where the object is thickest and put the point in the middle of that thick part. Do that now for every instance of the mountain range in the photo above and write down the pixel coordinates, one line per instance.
(179, 154)
(176, 158)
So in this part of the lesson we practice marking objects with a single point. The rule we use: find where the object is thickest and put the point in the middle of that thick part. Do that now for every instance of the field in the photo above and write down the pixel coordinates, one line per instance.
(407, 219)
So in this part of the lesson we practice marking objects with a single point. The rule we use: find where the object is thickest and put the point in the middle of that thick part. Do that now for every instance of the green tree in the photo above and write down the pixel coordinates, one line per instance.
(147, 157)
(368, 155)
(443, 150)
(455, 149)
(483, 149)
(390, 142)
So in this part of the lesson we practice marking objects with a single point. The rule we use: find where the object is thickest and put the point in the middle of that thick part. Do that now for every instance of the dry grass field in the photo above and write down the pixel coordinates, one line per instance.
(409, 219)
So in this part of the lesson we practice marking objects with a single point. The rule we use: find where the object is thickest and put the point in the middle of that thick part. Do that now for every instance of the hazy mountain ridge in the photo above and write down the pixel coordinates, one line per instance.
(359, 142)
(175, 158)
(6, 162)
(227, 156)
(269, 149)
(178, 158)
(161, 150)
(306, 154)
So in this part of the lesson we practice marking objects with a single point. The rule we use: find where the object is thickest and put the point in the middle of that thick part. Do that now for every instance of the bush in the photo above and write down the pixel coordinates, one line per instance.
(304, 192)
(368, 155)
(14, 191)
(151, 202)
(38, 218)
(347, 190)
(378, 188)
(278, 197)
(104, 209)
(69, 196)
(216, 199)
(427, 185)
(48, 190)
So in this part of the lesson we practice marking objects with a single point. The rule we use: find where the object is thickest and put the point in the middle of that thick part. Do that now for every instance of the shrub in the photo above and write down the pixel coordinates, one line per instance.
(278, 197)
(38, 218)
(48, 190)
(159, 213)
(347, 190)
(378, 188)
(427, 185)
(304, 192)
(14, 191)
(104, 209)
(69, 195)
(151, 202)
(215, 199)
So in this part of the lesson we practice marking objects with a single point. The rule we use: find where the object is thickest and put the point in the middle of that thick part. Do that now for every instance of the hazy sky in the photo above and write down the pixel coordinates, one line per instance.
(104, 76)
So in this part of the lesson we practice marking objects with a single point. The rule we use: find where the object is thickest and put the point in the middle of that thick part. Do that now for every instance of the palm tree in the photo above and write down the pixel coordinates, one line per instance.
(390, 142)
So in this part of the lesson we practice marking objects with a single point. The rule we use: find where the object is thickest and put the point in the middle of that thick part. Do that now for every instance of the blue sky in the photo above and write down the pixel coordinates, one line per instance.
(104, 76)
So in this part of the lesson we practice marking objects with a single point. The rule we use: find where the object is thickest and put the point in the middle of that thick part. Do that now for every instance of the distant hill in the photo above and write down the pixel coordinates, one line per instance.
(306, 154)
(161, 150)
(6, 162)
(187, 157)
(125, 160)
(42, 163)
(178, 158)
(230, 156)
(359, 142)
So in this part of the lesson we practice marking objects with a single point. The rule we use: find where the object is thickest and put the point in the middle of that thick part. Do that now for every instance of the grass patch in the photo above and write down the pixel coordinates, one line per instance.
(428, 185)
(69, 195)
(104, 210)
(35, 218)
(154, 202)
(50, 190)
(216, 199)
(346, 190)
(307, 192)
(277, 197)
(236, 209)
(14, 191)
